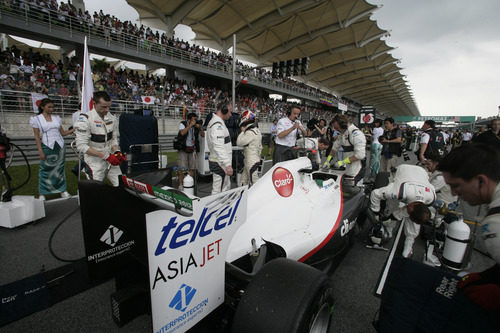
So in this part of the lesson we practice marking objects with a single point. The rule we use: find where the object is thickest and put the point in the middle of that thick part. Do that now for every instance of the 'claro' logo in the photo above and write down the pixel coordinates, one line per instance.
(283, 182)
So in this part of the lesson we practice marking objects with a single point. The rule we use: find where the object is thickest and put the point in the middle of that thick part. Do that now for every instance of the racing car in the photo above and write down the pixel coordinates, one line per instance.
(262, 253)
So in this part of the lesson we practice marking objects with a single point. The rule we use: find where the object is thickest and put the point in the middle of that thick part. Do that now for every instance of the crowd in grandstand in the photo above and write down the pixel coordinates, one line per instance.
(113, 29)
(35, 72)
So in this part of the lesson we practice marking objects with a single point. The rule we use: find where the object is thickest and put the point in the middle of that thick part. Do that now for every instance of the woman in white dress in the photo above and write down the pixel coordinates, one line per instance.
(48, 127)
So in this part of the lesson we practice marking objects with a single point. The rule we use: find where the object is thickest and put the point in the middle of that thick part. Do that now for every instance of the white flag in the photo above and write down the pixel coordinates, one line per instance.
(87, 83)
(36, 99)
(148, 99)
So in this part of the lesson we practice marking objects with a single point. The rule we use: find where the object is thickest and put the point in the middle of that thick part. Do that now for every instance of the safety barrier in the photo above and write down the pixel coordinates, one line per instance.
(28, 145)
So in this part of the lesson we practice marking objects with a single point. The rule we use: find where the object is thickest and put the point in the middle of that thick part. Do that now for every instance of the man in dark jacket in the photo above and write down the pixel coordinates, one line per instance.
(491, 137)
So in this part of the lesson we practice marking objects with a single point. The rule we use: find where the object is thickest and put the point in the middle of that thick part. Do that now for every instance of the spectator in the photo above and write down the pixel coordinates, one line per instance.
(491, 137)
(391, 142)
(51, 177)
(431, 142)
(189, 131)
(63, 91)
(376, 148)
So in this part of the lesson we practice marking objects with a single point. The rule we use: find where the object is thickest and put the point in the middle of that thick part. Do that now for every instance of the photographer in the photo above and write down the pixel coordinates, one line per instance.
(189, 132)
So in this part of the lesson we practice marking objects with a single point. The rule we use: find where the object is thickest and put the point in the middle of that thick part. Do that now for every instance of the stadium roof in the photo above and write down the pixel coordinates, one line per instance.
(348, 56)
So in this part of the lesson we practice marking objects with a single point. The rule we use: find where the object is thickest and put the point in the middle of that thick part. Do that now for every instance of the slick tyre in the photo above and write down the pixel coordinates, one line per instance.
(285, 296)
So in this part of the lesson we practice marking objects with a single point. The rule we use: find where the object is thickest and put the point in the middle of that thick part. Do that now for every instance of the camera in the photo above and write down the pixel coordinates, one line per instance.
(199, 122)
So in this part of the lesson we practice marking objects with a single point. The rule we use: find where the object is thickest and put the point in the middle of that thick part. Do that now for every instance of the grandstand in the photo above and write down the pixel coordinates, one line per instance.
(65, 25)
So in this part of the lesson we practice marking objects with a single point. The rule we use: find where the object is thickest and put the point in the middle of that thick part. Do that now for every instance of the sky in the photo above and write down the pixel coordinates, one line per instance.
(449, 50)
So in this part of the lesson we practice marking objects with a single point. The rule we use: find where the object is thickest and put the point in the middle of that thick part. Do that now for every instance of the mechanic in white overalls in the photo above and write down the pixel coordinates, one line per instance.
(250, 139)
(412, 188)
(219, 144)
(96, 138)
(353, 141)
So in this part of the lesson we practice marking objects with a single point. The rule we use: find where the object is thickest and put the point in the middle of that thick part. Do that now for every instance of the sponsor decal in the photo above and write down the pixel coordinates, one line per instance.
(447, 287)
(283, 182)
(186, 257)
(174, 198)
(347, 226)
(111, 236)
(182, 298)
(177, 234)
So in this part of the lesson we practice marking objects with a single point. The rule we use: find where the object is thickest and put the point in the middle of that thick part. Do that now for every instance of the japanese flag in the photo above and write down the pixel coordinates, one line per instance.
(36, 99)
(148, 99)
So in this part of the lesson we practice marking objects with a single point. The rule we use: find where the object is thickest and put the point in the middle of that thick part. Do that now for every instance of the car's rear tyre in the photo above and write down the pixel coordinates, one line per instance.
(285, 296)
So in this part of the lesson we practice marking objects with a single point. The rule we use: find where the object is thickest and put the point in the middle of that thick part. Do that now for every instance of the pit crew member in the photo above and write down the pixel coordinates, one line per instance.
(219, 145)
(287, 135)
(473, 173)
(96, 138)
(250, 139)
(353, 141)
(412, 188)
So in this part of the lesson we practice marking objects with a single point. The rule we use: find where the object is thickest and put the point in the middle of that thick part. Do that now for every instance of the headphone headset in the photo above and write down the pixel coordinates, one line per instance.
(480, 182)
(223, 108)
(288, 112)
(341, 121)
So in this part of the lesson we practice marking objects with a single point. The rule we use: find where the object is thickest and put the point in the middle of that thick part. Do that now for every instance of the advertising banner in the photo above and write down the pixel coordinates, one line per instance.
(342, 107)
(458, 119)
(187, 258)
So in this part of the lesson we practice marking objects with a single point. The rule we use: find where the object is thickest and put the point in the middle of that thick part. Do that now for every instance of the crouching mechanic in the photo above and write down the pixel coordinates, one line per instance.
(221, 150)
(412, 188)
(353, 141)
(250, 139)
(96, 139)
(473, 173)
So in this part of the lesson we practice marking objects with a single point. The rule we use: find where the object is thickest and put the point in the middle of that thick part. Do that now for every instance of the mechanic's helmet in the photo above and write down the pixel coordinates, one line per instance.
(247, 117)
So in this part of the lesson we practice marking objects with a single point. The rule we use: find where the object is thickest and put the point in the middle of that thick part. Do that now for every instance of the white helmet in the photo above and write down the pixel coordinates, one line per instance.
(247, 117)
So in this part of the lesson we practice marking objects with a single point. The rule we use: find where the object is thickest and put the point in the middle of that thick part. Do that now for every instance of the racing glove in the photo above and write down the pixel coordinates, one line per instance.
(343, 162)
(482, 291)
(122, 157)
(327, 162)
(113, 160)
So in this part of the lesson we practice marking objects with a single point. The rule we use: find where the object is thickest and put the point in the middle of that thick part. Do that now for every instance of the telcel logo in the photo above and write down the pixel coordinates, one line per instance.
(283, 182)
(177, 234)
(182, 298)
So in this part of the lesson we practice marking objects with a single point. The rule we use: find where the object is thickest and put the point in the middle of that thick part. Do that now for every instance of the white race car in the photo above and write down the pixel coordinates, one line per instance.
(261, 254)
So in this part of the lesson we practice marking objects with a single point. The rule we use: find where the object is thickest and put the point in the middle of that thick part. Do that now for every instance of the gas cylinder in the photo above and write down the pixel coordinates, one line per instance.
(455, 246)
(188, 184)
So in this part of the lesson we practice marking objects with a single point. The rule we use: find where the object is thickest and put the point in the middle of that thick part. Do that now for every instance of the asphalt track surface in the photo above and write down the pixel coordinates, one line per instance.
(24, 252)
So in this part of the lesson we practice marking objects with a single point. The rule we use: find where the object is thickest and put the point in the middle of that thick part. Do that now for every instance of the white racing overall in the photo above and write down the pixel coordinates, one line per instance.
(94, 132)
